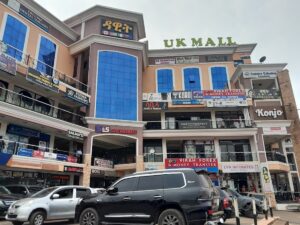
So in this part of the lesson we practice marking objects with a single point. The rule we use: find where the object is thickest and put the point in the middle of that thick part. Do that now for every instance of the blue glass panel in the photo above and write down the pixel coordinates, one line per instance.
(164, 80)
(219, 78)
(116, 86)
(191, 79)
(46, 56)
(14, 36)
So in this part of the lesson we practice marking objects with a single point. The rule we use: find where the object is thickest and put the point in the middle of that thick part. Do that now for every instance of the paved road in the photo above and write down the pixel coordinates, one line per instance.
(292, 217)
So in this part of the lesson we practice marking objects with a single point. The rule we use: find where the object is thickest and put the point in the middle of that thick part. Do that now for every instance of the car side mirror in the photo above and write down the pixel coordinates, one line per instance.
(55, 196)
(112, 190)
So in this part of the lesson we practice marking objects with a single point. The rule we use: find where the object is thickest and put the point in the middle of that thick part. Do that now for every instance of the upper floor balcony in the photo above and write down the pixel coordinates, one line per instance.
(27, 61)
(276, 156)
(41, 106)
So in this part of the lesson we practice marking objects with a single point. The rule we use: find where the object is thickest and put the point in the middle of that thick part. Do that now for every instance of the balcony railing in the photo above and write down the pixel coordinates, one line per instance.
(293, 167)
(34, 63)
(276, 156)
(40, 107)
(238, 156)
(40, 152)
(198, 124)
(158, 157)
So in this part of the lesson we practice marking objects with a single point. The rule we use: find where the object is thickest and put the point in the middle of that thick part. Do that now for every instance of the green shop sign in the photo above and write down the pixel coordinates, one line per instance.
(199, 42)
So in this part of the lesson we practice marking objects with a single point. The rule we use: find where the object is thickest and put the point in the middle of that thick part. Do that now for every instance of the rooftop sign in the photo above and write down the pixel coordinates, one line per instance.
(199, 42)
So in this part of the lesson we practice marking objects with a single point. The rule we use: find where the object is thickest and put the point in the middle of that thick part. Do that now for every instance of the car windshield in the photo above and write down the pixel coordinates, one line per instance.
(233, 192)
(43, 193)
(4, 190)
(34, 189)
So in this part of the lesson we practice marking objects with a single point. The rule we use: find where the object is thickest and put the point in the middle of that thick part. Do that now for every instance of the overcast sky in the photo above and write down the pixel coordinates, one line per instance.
(273, 24)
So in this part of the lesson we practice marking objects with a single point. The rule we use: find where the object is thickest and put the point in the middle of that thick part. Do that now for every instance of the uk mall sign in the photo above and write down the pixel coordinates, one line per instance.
(199, 42)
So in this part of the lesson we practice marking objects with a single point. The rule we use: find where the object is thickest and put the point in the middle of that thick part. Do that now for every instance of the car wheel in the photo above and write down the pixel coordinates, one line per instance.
(37, 218)
(17, 223)
(89, 216)
(171, 217)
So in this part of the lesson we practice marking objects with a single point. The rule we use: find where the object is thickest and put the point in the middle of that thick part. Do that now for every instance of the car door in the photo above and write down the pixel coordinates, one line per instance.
(117, 207)
(62, 207)
(148, 198)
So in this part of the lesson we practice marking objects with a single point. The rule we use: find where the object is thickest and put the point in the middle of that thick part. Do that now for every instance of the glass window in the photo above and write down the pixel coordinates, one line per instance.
(17, 190)
(46, 56)
(173, 181)
(82, 192)
(127, 185)
(116, 86)
(219, 78)
(14, 36)
(150, 183)
(191, 79)
(66, 193)
(164, 80)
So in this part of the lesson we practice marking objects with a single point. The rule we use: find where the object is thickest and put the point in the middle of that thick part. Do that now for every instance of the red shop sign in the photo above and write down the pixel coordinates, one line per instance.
(191, 163)
(121, 131)
(38, 154)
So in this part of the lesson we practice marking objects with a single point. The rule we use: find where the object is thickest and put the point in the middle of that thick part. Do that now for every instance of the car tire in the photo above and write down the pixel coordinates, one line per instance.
(37, 218)
(171, 216)
(17, 223)
(89, 216)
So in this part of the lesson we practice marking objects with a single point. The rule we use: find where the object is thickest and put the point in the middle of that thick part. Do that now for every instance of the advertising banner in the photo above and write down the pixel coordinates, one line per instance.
(207, 164)
(8, 64)
(103, 163)
(25, 152)
(166, 61)
(4, 158)
(116, 28)
(226, 103)
(77, 96)
(197, 124)
(156, 97)
(274, 130)
(240, 167)
(260, 74)
(266, 178)
(38, 154)
(50, 155)
(155, 105)
(62, 157)
(224, 94)
(45, 81)
(75, 135)
(73, 169)
(263, 94)
(187, 60)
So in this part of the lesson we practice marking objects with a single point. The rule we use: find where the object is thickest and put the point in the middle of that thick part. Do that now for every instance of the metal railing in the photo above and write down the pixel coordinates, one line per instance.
(35, 63)
(238, 156)
(198, 124)
(35, 151)
(276, 156)
(287, 197)
(40, 107)
(293, 167)
(158, 157)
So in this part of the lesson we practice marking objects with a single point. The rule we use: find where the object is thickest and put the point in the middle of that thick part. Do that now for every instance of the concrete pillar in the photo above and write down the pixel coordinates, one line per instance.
(253, 146)
(3, 128)
(217, 150)
(85, 179)
(51, 144)
(163, 120)
(139, 155)
(164, 149)
(290, 178)
(213, 119)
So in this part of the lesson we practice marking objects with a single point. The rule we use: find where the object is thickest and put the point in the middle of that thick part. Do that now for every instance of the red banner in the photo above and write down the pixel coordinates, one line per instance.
(191, 163)
(38, 154)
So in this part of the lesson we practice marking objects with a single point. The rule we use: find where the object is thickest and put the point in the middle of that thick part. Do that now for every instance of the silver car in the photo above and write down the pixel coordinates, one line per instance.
(52, 203)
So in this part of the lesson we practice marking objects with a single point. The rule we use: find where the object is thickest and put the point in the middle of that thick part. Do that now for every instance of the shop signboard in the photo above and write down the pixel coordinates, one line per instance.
(217, 58)
(38, 154)
(226, 103)
(194, 124)
(103, 163)
(97, 172)
(197, 95)
(199, 42)
(187, 60)
(263, 94)
(22, 131)
(269, 113)
(155, 105)
(265, 178)
(62, 157)
(8, 64)
(108, 129)
(77, 96)
(207, 164)
(4, 158)
(50, 155)
(25, 152)
(117, 28)
(165, 61)
(240, 167)
(75, 135)
(274, 130)
(181, 95)
(156, 97)
(45, 81)
(73, 169)
(260, 74)
(224, 94)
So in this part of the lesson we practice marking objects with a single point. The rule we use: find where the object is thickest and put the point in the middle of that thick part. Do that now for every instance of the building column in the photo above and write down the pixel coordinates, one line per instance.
(163, 120)
(51, 143)
(3, 128)
(139, 155)
(85, 179)
(164, 149)
(217, 149)
(290, 178)
(213, 119)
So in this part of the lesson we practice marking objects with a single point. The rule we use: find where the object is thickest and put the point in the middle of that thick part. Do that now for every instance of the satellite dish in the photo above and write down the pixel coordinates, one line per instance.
(262, 59)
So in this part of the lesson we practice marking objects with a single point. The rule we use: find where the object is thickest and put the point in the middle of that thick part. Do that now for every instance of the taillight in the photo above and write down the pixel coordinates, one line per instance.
(226, 203)
(210, 212)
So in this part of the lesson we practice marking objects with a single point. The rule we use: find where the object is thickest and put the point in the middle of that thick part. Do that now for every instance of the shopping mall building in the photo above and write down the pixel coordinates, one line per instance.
(85, 101)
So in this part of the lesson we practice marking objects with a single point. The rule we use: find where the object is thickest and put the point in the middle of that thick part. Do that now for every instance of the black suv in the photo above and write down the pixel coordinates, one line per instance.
(165, 197)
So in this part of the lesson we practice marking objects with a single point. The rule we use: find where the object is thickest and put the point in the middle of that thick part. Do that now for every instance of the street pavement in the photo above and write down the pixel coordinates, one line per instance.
(292, 217)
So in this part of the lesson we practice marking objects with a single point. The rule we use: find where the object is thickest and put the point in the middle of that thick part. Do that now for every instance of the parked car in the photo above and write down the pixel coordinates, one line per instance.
(24, 190)
(245, 203)
(174, 196)
(6, 199)
(259, 196)
(226, 204)
(48, 204)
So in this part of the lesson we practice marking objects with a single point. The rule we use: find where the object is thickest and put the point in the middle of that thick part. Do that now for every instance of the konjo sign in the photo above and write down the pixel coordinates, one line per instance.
(275, 113)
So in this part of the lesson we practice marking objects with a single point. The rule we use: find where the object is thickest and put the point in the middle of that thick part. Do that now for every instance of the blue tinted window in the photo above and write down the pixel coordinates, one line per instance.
(116, 86)
(46, 56)
(191, 79)
(219, 78)
(14, 36)
(164, 81)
